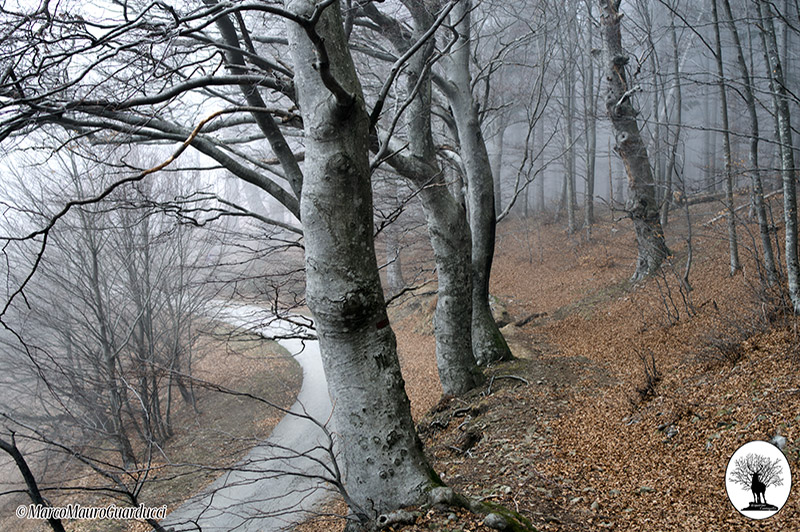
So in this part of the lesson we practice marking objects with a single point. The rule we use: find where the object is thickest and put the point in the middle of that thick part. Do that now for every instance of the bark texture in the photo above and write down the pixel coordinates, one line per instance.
(444, 215)
(385, 467)
(787, 153)
(755, 173)
(451, 243)
(641, 205)
(488, 344)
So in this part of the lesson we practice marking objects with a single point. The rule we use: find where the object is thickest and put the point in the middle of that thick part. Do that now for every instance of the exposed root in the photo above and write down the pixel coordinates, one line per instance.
(496, 516)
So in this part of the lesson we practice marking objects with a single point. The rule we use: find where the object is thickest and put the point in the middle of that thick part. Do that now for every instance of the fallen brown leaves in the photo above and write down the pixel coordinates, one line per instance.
(577, 448)
(608, 443)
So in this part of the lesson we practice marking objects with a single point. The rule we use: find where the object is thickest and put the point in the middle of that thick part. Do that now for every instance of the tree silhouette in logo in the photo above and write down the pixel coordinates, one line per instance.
(756, 473)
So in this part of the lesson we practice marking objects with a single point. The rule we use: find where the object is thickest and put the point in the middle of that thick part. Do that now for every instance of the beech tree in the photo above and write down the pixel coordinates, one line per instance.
(455, 83)
(386, 467)
(753, 159)
(488, 343)
(733, 245)
(219, 93)
(446, 217)
(788, 170)
(641, 207)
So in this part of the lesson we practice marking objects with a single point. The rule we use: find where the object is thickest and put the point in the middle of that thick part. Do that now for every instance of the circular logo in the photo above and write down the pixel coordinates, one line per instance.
(758, 480)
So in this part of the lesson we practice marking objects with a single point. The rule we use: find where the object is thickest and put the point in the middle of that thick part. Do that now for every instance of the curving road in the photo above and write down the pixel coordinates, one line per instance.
(271, 489)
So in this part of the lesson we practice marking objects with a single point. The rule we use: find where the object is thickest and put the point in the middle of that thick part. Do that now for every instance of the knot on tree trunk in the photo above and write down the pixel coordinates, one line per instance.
(356, 309)
(622, 139)
(620, 60)
(639, 208)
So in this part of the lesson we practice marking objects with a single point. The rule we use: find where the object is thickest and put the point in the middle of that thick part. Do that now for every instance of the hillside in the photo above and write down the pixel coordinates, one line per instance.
(569, 434)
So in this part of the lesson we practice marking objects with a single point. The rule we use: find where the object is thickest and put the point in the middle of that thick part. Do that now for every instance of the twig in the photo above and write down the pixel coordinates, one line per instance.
(45, 231)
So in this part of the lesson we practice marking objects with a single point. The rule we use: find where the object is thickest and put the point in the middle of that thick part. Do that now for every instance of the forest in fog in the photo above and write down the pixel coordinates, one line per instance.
(188, 181)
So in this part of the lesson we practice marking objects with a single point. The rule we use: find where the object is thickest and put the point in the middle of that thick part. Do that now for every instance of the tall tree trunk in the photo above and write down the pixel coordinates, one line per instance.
(641, 206)
(109, 357)
(589, 126)
(540, 206)
(445, 216)
(710, 138)
(790, 19)
(488, 344)
(385, 467)
(658, 157)
(755, 171)
(497, 162)
(107, 370)
(451, 243)
(673, 155)
(733, 244)
(788, 172)
(569, 154)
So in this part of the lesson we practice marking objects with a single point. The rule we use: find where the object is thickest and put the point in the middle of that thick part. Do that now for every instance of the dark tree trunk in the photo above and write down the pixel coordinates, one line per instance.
(755, 171)
(589, 127)
(673, 155)
(733, 245)
(641, 206)
(13, 451)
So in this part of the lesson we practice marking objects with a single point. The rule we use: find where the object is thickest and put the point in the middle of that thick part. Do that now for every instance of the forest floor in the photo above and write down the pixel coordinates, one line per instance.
(583, 443)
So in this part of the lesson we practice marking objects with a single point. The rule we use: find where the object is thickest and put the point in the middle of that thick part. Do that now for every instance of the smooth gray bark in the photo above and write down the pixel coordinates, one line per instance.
(383, 458)
(451, 243)
(733, 244)
(488, 344)
(641, 205)
(444, 215)
(755, 171)
(788, 172)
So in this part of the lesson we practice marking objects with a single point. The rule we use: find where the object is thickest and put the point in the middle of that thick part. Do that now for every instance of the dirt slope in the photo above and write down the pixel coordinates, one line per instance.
(579, 447)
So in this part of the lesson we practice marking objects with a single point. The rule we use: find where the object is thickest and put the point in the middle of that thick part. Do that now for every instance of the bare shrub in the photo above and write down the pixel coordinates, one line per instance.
(651, 376)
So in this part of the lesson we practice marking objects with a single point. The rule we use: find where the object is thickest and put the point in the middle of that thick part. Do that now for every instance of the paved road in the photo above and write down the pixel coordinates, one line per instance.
(262, 494)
